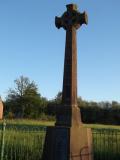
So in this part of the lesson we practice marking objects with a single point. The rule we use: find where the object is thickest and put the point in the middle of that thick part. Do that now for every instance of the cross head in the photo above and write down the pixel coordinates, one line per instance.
(71, 18)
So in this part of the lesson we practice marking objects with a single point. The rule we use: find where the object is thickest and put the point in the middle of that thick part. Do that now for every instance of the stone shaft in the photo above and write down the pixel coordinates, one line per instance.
(69, 94)
(68, 113)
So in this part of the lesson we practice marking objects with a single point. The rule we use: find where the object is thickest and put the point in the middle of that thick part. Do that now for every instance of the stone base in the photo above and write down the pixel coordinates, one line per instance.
(68, 143)
(68, 116)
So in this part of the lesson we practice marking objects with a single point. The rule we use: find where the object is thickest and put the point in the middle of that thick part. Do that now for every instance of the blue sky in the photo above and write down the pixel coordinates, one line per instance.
(32, 46)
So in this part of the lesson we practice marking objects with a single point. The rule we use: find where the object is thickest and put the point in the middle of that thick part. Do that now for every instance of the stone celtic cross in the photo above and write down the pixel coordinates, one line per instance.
(71, 20)
(69, 139)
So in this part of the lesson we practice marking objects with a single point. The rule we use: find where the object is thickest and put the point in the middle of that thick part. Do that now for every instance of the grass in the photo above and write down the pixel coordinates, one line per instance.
(106, 144)
(23, 145)
(51, 123)
(28, 122)
(101, 126)
(27, 144)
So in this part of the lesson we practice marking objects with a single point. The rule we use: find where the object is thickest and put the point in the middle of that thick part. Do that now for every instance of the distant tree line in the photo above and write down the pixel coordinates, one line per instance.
(100, 113)
(24, 101)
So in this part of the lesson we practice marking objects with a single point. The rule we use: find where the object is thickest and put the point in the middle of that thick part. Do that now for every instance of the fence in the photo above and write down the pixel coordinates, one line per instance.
(25, 142)
(106, 144)
(21, 142)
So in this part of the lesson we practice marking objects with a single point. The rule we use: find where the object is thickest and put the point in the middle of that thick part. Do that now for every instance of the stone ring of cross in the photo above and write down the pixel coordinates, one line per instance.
(71, 18)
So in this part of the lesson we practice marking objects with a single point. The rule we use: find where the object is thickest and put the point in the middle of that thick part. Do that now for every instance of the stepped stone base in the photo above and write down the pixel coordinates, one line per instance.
(68, 143)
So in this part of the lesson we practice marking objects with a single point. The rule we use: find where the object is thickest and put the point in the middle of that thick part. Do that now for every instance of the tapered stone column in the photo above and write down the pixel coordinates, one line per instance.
(69, 140)
(71, 20)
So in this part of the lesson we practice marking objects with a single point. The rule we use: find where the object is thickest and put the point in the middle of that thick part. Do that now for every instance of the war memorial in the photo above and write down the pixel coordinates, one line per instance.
(68, 139)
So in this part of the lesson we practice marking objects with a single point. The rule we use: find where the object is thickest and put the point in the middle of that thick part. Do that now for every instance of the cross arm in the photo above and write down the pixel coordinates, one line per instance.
(82, 18)
(58, 22)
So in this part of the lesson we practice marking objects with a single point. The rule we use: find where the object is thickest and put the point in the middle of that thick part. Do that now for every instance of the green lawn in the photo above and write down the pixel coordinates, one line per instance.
(28, 122)
(51, 123)
(24, 140)
(100, 126)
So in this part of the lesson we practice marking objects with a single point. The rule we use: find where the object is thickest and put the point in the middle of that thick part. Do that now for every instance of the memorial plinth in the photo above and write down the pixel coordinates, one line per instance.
(68, 139)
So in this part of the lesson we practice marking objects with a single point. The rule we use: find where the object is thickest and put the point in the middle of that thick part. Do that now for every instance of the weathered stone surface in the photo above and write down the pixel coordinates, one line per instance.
(56, 145)
(69, 94)
(68, 143)
(81, 143)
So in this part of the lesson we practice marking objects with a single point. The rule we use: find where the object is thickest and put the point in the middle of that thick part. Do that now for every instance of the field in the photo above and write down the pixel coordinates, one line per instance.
(29, 122)
(24, 139)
